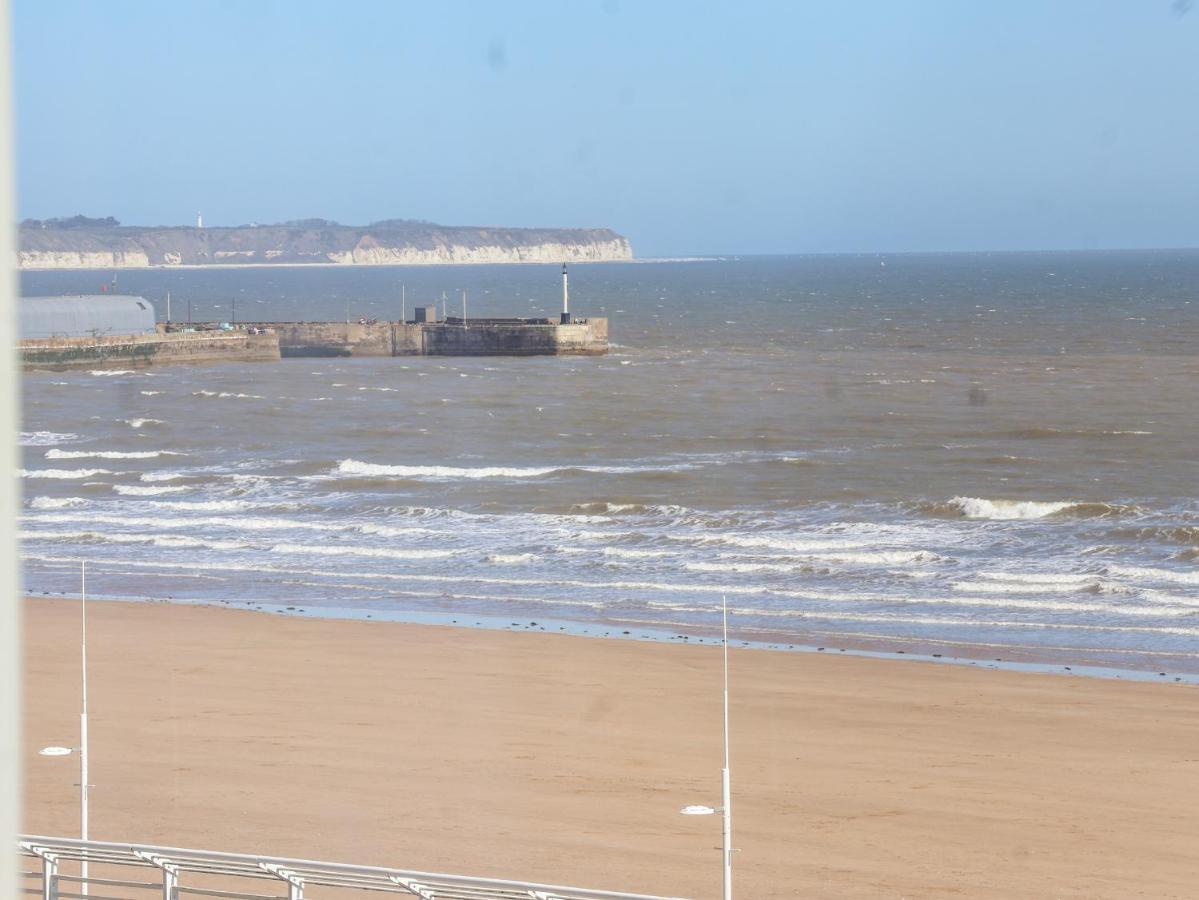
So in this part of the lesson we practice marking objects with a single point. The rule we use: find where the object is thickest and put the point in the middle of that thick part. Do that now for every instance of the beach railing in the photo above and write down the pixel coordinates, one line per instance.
(174, 873)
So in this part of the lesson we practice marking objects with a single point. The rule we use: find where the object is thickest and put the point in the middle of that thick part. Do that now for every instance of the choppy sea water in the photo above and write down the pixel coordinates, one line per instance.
(973, 455)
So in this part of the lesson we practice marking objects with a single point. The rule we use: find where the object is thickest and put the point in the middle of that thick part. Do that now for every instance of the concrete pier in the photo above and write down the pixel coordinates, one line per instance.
(453, 337)
(148, 349)
(254, 341)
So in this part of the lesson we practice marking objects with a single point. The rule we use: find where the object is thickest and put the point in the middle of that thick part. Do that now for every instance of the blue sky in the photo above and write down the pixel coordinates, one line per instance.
(691, 127)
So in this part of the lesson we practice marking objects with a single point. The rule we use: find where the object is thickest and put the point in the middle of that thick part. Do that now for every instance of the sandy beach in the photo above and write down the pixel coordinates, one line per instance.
(566, 759)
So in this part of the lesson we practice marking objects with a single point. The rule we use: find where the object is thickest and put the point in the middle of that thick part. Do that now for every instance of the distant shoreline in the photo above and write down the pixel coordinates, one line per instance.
(321, 265)
(388, 265)
(1021, 660)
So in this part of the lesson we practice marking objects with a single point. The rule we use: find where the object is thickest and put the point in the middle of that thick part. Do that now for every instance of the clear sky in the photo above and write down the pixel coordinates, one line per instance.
(690, 127)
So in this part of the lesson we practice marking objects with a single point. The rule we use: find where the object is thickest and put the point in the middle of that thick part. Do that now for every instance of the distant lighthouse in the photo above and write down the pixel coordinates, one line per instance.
(199, 220)
(565, 298)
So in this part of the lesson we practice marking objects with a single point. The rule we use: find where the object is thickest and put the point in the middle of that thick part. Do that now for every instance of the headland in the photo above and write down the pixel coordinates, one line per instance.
(564, 758)
(86, 243)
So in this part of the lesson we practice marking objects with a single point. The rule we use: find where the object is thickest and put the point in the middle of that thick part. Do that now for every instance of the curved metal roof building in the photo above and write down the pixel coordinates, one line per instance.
(87, 315)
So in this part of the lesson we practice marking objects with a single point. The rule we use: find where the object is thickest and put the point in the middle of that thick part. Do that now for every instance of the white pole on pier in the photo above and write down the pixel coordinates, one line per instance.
(168, 307)
(83, 785)
(403, 303)
(464, 308)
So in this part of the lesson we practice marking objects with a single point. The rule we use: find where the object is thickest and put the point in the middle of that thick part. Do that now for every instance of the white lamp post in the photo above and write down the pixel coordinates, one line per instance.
(82, 748)
(726, 793)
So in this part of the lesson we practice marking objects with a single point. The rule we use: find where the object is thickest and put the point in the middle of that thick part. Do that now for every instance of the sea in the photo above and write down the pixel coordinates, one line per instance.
(969, 456)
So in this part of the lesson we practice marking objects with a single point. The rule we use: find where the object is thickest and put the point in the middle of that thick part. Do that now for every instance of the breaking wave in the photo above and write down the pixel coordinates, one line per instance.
(45, 438)
(1050, 578)
(204, 505)
(109, 454)
(374, 470)
(510, 559)
(63, 473)
(56, 502)
(137, 490)
(1144, 573)
(227, 395)
(157, 540)
(982, 508)
(381, 552)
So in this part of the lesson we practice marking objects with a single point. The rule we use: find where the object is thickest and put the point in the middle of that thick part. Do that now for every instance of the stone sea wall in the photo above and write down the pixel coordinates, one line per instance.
(585, 337)
(146, 350)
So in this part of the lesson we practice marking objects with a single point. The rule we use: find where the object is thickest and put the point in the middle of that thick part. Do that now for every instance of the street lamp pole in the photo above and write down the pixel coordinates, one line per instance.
(724, 774)
(83, 784)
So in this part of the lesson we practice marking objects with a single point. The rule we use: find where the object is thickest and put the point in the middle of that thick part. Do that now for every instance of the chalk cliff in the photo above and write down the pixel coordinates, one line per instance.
(96, 244)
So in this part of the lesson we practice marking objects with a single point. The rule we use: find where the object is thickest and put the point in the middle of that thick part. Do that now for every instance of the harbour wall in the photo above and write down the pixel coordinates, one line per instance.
(148, 349)
(587, 337)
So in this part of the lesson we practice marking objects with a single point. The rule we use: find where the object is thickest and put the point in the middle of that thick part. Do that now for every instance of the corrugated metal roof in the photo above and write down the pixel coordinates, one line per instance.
(85, 315)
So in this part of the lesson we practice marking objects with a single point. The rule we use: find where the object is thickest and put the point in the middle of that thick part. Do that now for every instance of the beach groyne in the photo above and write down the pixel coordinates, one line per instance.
(149, 349)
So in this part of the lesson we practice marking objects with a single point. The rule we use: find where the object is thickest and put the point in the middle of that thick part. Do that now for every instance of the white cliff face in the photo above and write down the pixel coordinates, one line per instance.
(367, 253)
(69, 259)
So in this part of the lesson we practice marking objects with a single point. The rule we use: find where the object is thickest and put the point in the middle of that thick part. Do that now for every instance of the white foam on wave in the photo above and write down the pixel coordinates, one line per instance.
(997, 587)
(137, 490)
(63, 473)
(239, 523)
(741, 567)
(981, 508)
(511, 559)
(603, 508)
(901, 619)
(227, 395)
(354, 467)
(1173, 576)
(879, 557)
(389, 530)
(142, 423)
(45, 438)
(1050, 578)
(162, 476)
(56, 502)
(157, 540)
(204, 505)
(381, 552)
(375, 470)
(149, 393)
(1155, 596)
(110, 454)
(108, 373)
(634, 554)
(771, 542)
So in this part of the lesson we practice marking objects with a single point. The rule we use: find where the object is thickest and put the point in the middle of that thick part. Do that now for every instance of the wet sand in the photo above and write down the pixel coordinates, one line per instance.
(566, 759)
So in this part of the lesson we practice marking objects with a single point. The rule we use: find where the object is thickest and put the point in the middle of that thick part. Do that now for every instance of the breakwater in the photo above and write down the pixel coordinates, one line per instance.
(454, 337)
(148, 349)
(267, 341)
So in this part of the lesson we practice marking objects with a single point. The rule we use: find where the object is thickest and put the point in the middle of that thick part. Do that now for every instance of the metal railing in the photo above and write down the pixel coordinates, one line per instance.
(179, 873)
